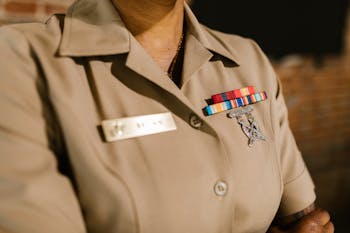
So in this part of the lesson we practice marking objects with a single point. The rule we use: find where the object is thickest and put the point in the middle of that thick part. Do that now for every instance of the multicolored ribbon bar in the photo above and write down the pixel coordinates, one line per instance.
(231, 95)
(235, 103)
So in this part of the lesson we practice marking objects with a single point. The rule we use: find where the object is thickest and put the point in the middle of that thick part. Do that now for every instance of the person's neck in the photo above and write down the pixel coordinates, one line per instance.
(156, 24)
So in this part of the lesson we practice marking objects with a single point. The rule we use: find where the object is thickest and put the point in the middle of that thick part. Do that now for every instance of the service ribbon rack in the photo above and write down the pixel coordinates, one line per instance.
(234, 99)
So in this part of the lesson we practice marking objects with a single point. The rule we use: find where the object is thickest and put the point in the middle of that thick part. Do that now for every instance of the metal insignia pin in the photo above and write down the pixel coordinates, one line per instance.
(251, 130)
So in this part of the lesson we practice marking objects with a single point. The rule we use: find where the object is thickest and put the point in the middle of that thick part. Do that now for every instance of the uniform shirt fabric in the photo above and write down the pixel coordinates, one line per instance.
(61, 79)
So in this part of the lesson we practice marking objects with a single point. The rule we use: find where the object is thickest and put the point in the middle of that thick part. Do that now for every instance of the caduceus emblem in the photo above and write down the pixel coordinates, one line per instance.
(250, 129)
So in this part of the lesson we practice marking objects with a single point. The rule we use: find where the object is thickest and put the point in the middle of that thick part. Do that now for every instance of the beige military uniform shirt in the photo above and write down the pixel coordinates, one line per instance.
(58, 174)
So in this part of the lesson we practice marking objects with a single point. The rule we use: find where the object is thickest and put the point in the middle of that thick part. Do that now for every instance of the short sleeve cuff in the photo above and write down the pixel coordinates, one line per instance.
(297, 195)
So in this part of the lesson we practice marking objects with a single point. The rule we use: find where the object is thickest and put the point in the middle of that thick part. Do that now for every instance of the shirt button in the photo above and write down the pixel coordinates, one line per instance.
(195, 121)
(220, 188)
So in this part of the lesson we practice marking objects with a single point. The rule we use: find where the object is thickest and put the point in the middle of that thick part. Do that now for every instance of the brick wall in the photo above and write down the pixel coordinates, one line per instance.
(12, 11)
(318, 100)
(318, 97)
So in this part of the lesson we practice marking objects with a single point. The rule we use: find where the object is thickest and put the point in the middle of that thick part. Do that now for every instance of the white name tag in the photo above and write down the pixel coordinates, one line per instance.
(130, 127)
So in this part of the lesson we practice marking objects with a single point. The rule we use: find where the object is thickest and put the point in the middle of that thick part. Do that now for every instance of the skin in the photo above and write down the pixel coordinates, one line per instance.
(158, 25)
(317, 221)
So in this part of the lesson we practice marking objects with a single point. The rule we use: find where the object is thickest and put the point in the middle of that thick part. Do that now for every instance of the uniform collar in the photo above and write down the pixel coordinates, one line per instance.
(94, 28)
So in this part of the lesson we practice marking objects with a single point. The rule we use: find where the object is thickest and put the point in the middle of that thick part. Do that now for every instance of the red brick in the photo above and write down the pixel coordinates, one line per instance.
(21, 7)
(50, 9)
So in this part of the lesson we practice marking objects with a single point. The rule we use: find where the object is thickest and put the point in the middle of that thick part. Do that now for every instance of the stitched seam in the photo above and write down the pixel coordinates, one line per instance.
(297, 177)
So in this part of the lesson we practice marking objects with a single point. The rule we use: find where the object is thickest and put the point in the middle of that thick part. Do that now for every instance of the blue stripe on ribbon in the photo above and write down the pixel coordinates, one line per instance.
(249, 99)
(208, 110)
(223, 95)
(228, 104)
(239, 102)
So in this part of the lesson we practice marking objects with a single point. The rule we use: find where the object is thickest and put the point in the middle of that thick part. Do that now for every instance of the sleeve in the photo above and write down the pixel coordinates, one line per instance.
(34, 196)
(298, 188)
